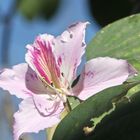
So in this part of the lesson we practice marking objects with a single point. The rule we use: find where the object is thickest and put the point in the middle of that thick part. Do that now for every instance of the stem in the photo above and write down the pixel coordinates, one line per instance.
(50, 131)
(67, 106)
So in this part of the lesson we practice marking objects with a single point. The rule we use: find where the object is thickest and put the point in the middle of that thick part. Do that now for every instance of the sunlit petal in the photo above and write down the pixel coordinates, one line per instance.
(69, 48)
(13, 80)
(102, 73)
(28, 119)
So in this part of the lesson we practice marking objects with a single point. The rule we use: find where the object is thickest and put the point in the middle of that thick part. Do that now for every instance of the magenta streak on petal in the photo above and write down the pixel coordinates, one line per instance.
(59, 60)
(89, 73)
(55, 67)
(36, 62)
(41, 71)
(75, 67)
(45, 62)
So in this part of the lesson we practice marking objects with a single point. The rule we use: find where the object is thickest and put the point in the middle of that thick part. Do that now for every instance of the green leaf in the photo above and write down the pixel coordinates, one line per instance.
(120, 39)
(95, 107)
(122, 124)
(73, 101)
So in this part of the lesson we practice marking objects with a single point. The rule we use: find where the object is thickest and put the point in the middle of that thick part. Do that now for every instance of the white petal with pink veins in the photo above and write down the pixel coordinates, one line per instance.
(30, 47)
(42, 60)
(33, 83)
(48, 104)
(69, 48)
(13, 80)
(28, 119)
(102, 73)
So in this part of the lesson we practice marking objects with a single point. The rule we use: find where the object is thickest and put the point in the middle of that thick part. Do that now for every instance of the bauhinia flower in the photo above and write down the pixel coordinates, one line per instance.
(45, 81)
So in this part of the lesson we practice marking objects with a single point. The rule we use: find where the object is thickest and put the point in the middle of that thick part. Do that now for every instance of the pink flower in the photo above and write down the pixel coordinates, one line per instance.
(45, 80)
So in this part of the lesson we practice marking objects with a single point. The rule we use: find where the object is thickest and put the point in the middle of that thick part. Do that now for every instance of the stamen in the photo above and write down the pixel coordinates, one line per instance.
(52, 84)
(59, 92)
(61, 98)
(65, 91)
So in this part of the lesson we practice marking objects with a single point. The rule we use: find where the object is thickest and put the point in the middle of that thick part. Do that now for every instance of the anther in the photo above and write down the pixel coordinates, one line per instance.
(52, 84)
(62, 74)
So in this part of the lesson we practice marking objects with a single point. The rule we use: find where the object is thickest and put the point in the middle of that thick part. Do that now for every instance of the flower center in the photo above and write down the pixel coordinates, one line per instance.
(52, 90)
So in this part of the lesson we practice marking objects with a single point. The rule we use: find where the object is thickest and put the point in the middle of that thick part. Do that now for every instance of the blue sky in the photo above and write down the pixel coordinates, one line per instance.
(24, 32)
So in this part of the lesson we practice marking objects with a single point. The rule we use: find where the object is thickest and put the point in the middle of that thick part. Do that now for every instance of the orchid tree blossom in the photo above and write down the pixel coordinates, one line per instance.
(45, 80)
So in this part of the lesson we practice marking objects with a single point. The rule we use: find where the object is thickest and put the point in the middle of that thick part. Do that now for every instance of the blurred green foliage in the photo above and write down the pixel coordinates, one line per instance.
(31, 9)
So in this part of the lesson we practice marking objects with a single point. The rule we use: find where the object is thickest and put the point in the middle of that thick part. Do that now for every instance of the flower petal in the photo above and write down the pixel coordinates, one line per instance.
(42, 60)
(48, 106)
(28, 119)
(33, 83)
(69, 48)
(13, 80)
(102, 73)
